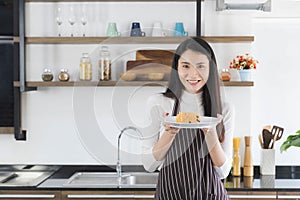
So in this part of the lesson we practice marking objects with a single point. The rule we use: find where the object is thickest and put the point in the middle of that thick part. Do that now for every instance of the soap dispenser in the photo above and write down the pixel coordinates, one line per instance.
(236, 165)
(248, 164)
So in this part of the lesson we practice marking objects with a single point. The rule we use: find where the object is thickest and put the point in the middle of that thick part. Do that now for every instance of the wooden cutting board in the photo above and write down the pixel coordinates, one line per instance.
(164, 56)
(142, 68)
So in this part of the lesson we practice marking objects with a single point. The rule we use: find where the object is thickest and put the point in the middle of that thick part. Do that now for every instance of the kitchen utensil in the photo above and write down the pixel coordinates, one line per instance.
(268, 127)
(277, 131)
(277, 134)
(260, 140)
(267, 137)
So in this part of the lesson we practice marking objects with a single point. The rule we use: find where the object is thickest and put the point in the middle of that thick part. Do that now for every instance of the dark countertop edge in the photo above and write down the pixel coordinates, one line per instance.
(65, 171)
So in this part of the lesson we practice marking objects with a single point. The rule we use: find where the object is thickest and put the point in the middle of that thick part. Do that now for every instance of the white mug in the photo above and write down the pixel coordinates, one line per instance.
(157, 30)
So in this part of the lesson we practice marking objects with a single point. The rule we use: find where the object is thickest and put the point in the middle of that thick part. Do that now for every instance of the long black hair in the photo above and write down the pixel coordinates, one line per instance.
(211, 90)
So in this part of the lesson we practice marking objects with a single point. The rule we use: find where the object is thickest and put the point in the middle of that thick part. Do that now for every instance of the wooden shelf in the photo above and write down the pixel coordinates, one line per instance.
(117, 83)
(132, 40)
(6, 130)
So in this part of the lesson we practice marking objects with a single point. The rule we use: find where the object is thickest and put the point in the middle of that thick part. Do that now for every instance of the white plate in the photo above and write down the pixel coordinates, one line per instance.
(206, 122)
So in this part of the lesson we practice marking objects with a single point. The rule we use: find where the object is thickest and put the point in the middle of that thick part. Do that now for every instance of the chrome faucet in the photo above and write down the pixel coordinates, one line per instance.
(119, 166)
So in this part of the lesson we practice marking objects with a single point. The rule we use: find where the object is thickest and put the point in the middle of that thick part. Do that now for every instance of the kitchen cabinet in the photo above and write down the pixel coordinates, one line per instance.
(257, 195)
(30, 194)
(288, 195)
(102, 195)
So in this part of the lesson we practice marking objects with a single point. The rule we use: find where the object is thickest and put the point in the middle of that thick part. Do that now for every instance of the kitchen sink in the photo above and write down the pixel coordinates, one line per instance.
(103, 179)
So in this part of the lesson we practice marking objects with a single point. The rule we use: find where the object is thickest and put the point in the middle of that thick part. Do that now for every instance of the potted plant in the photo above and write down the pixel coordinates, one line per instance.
(292, 140)
(244, 63)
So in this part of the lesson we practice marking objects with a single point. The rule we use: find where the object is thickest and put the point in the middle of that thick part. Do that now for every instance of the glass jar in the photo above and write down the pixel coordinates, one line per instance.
(85, 72)
(104, 69)
(47, 75)
(225, 75)
(63, 75)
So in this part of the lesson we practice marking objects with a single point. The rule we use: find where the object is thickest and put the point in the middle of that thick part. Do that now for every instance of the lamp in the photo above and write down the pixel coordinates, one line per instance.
(262, 5)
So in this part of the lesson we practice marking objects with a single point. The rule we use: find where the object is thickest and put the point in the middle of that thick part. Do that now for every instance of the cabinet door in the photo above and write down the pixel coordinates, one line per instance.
(252, 195)
(107, 195)
(29, 195)
(288, 195)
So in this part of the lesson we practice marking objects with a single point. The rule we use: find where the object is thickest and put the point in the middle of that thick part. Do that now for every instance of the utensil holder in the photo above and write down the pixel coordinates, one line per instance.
(267, 162)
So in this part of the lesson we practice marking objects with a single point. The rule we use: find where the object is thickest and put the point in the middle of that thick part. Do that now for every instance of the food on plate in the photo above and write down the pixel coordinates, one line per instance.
(188, 117)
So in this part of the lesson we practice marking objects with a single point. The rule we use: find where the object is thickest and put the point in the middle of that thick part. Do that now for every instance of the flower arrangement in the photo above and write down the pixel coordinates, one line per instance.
(243, 62)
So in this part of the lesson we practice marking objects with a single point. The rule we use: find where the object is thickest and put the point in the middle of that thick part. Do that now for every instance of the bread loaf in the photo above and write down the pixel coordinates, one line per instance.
(187, 117)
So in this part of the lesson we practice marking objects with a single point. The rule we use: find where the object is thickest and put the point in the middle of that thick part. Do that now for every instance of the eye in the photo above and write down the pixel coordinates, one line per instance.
(185, 66)
(201, 66)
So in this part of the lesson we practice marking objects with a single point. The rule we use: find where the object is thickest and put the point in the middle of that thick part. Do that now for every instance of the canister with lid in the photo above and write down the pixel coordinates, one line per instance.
(63, 75)
(104, 64)
(85, 73)
(47, 75)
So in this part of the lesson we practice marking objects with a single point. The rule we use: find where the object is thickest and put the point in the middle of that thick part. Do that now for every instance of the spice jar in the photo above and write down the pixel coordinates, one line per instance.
(85, 72)
(47, 75)
(104, 64)
(63, 75)
(225, 75)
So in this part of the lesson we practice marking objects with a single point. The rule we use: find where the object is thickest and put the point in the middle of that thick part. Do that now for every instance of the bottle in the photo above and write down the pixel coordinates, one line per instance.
(236, 165)
(104, 64)
(47, 75)
(63, 75)
(85, 72)
(225, 75)
(248, 164)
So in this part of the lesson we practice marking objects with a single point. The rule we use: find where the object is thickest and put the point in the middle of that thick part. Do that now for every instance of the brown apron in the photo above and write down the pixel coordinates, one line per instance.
(188, 172)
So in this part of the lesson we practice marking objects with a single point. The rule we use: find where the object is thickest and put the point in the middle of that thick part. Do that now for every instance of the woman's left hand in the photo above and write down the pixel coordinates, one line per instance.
(212, 129)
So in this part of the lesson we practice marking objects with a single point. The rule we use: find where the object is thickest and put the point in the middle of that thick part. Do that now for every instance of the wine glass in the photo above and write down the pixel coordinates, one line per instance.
(83, 20)
(59, 19)
(72, 19)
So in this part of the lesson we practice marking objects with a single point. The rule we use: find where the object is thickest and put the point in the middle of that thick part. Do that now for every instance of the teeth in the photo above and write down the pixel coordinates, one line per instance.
(193, 81)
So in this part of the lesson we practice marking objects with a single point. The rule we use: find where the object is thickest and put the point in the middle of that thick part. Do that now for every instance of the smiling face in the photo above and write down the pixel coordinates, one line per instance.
(193, 70)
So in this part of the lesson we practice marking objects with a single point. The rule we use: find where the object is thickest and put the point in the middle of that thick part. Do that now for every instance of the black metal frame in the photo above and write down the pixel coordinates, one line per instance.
(19, 134)
(198, 18)
(19, 66)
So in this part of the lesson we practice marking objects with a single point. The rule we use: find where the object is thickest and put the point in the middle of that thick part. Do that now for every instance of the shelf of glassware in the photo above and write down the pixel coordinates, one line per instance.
(133, 40)
(35, 84)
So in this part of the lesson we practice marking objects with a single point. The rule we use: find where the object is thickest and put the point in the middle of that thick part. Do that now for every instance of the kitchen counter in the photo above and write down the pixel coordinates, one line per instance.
(287, 179)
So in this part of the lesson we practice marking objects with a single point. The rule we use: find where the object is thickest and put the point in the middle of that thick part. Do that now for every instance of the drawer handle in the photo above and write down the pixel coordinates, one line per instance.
(27, 196)
(252, 196)
(288, 196)
(109, 196)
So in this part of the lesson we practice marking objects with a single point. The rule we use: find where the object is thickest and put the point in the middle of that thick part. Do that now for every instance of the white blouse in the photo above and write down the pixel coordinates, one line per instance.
(158, 105)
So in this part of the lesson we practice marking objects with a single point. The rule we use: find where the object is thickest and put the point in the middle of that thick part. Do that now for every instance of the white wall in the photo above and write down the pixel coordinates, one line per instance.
(79, 125)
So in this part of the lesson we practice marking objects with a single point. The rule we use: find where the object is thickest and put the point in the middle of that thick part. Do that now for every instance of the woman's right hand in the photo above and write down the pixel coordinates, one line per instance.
(169, 129)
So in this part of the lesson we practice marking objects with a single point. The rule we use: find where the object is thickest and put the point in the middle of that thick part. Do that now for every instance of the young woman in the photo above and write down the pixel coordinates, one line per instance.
(191, 161)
